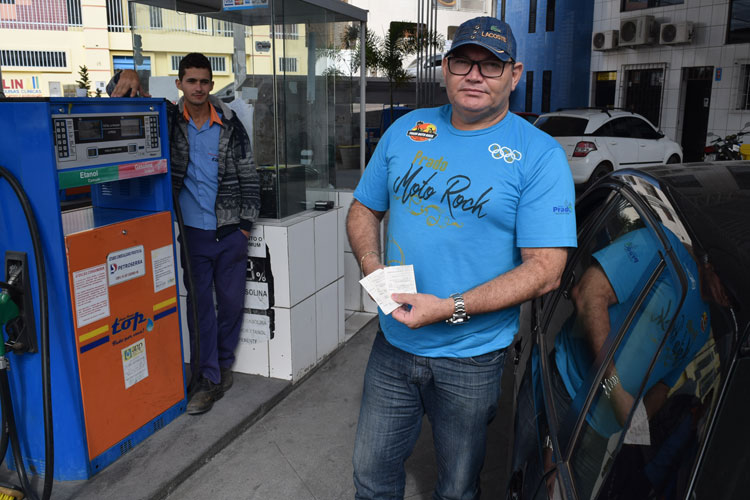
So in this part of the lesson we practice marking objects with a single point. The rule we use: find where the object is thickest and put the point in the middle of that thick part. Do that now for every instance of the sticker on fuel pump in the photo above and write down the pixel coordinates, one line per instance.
(134, 365)
(126, 264)
(162, 264)
(255, 328)
(91, 294)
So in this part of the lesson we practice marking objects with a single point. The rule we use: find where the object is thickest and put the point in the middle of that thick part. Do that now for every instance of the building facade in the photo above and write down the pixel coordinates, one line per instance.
(45, 43)
(554, 45)
(684, 64)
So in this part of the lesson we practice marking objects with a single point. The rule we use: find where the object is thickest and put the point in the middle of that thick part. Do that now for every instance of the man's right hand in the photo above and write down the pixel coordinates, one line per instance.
(129, 82)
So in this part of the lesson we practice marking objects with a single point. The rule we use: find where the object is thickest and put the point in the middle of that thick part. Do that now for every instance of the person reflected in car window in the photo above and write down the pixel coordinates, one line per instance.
(602, 298)
(606, 294)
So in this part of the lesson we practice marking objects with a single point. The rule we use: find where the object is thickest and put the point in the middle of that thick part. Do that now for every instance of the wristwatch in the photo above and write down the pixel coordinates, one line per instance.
(459, 311)
(609, 383)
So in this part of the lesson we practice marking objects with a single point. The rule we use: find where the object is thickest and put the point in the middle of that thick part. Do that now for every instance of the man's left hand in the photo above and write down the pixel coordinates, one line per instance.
(420, 309)
(246, 233)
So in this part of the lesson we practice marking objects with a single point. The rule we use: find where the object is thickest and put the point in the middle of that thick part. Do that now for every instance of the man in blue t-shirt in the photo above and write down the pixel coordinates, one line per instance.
(481, 204)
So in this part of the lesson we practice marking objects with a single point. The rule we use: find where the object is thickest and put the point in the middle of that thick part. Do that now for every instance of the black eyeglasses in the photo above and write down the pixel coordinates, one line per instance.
(488, 68)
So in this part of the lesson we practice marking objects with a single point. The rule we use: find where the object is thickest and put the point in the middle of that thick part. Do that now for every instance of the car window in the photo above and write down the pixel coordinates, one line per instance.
(619, 127)
(642, 129)
(631, 351)
(562, 126)
(605, 130)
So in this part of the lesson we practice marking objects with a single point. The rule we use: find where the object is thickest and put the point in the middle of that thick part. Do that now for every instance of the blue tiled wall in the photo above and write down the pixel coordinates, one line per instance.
(566, 52)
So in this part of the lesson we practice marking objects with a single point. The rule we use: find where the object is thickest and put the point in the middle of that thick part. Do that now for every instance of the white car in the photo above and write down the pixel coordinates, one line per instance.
(599, 140)
(434, 64)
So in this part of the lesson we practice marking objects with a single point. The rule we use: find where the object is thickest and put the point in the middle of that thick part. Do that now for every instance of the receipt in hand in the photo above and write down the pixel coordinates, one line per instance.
(383, 282)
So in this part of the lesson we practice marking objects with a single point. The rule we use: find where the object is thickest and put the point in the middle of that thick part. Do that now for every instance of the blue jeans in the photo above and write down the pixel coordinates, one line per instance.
(458, 395)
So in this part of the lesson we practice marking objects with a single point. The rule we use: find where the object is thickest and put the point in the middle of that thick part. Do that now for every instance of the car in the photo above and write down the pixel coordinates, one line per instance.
(433, 63)
(599, 140)
(635, 384)
(528, 116)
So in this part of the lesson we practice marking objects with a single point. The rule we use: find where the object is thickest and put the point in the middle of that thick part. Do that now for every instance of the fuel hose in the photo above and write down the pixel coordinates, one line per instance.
(49, 447)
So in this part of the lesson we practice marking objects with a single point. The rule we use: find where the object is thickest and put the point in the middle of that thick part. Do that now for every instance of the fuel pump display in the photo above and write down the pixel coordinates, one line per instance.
(116, 356)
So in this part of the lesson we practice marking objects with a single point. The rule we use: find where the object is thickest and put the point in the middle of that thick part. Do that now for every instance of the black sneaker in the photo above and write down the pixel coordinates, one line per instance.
(227, 379)
(204, 397)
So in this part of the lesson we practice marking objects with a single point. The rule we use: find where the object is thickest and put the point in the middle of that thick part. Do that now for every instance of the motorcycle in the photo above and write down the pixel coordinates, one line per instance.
(725, 148)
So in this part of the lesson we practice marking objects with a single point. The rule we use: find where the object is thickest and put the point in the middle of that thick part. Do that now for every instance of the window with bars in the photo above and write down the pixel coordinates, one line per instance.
(154, 17)
(115, 16)
(74, 11)
(218, 63)
(33, 58)
(532, 16)
(55, 15)
(223, 28)
(288, 64)
(202, 23)
(743, 101)
(286, 31)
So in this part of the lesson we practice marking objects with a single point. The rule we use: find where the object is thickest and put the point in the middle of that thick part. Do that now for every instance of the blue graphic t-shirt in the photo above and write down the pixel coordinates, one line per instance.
(462, 205)
(628, 262)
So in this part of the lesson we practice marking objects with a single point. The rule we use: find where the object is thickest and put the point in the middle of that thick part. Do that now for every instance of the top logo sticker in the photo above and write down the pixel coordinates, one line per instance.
(422, 132)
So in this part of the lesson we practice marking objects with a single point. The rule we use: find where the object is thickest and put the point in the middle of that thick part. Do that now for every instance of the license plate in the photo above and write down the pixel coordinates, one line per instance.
(710, 157)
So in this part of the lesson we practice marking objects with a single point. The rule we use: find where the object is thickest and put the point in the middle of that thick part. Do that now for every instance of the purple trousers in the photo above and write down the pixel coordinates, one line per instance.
(220, 266)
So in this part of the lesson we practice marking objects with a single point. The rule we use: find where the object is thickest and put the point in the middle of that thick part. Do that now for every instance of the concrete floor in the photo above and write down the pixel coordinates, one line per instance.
(302, 448)
(269, 440)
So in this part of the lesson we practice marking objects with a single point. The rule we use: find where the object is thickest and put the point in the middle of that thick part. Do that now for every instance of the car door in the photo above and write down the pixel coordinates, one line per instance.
(650, 146)
(623, 397)
(620, 141)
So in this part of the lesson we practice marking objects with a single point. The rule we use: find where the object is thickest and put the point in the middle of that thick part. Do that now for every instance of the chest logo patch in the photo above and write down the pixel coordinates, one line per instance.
(499, 152)
(422, 132)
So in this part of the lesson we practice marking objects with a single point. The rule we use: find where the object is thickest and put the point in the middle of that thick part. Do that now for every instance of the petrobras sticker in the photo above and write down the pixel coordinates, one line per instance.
(125, 265)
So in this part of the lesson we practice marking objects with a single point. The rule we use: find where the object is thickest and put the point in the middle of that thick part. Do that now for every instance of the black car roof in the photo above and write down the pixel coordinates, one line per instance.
(713, 200)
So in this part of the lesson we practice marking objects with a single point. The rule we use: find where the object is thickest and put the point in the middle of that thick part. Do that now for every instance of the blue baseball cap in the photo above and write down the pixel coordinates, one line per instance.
(488, 32)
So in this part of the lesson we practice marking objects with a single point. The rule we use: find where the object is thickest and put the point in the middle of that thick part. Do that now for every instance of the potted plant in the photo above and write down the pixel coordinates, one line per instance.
(84, 84)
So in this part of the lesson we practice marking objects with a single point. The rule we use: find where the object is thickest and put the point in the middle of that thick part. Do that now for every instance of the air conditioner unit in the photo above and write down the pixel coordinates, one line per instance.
(670, 33)
(641, 30)
(605, 40)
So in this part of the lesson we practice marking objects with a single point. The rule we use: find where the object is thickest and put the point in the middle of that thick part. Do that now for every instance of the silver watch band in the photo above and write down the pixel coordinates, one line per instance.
(459, 311)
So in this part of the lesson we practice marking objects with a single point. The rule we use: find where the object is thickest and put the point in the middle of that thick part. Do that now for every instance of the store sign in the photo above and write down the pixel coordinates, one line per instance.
(21, 87)
(245, 4)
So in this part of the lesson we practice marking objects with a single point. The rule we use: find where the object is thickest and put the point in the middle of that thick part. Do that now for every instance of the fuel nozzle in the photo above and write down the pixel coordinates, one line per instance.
(16, 308)
(14, 271)
(8, 308)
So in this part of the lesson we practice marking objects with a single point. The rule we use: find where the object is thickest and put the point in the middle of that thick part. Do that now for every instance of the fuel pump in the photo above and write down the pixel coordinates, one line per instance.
(110, 282)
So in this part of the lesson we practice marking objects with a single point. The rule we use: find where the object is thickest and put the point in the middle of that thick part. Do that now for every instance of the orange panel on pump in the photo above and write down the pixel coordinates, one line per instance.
(123, 286)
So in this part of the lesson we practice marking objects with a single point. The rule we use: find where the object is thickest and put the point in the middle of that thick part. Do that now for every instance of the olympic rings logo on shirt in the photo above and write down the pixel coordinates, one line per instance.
(503, 152)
